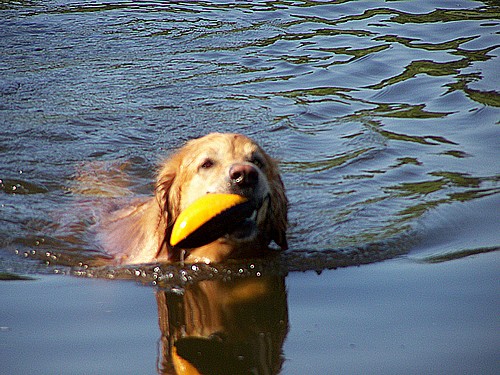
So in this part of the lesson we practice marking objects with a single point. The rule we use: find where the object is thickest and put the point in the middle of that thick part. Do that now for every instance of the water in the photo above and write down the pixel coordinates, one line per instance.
(384, 116)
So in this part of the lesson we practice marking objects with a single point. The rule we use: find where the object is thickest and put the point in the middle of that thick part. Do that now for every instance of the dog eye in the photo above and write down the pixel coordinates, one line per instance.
(257, 162)
(207, 163)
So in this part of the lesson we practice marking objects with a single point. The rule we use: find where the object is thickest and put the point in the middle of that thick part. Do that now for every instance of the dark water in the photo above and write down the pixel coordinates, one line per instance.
(384, 116)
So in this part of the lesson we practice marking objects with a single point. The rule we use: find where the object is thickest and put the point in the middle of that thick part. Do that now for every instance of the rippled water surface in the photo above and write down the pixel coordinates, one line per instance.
(383, 115)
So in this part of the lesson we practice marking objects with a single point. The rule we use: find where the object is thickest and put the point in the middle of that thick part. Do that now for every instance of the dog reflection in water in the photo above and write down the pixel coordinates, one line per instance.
(220, 327)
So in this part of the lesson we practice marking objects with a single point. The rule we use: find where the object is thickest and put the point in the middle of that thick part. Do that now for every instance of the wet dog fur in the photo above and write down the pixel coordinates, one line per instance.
(215, 163)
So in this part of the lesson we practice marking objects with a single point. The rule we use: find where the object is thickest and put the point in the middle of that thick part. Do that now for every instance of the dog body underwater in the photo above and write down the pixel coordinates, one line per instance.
(215, 163)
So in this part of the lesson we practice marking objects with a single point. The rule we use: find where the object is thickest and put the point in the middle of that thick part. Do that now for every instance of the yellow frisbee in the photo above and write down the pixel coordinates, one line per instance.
(209, 218)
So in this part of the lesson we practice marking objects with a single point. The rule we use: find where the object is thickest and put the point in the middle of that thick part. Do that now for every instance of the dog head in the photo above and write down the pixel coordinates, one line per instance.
(227, 163)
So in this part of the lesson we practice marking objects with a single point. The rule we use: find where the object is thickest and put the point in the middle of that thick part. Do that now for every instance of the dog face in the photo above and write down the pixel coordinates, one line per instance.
(227, 163)
(225, 166)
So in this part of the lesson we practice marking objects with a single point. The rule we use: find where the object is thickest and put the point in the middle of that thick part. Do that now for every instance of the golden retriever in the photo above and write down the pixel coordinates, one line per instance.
(215, 163)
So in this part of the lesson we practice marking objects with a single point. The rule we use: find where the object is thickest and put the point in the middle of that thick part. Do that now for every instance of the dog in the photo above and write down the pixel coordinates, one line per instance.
(215, 163)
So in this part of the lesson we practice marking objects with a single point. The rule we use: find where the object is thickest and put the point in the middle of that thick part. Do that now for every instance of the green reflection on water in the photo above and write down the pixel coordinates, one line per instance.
(472, 185)
(428, 67)
(324, 164)
(402, 111)
(411, 43)
(356, 53)
(425, 140)
(448, 15)
(491, 98)
(428, 187)
(417, 210)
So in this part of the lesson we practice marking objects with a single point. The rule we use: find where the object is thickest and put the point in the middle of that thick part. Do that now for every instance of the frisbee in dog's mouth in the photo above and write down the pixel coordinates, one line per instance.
(213, 216)
(246, 229)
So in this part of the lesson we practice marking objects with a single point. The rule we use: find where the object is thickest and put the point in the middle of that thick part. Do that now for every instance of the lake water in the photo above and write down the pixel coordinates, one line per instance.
(385, 119)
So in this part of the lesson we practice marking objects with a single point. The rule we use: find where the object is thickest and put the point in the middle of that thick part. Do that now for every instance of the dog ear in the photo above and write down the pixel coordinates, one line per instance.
(164, 182)
(168, 200)
(279, 213)
(278, 216)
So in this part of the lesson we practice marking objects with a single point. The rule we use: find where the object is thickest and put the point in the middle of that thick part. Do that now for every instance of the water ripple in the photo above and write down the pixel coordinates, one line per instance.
(381, 113)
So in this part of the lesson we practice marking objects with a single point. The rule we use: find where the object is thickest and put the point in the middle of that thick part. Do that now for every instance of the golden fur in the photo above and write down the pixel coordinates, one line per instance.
(140, 233)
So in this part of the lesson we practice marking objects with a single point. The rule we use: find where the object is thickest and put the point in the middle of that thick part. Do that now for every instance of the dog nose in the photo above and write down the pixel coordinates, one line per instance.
(243, 175)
